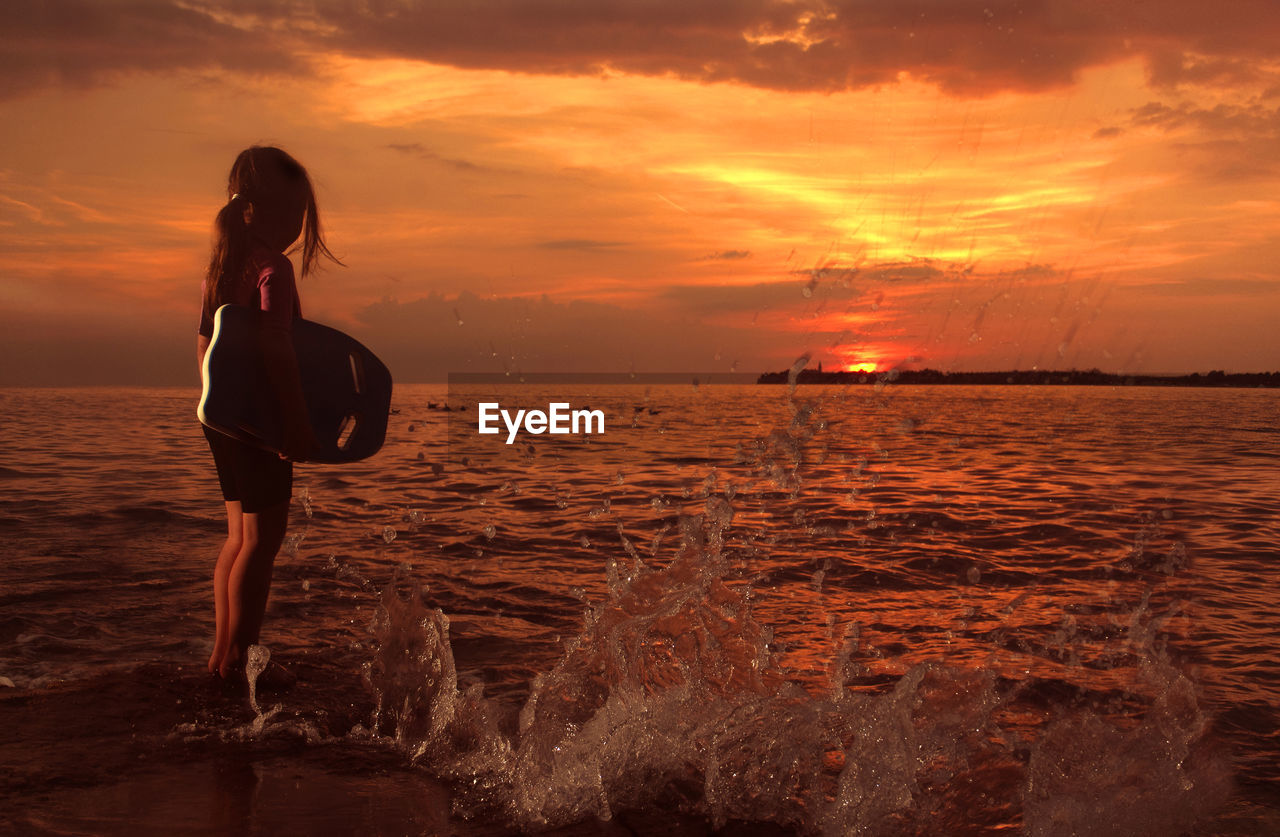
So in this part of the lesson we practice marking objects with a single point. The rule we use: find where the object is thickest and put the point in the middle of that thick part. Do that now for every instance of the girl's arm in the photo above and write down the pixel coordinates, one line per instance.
(282, 372)
(278, 300)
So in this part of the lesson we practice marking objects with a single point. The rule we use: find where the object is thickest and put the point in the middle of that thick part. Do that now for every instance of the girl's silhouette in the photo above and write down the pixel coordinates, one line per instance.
(270, 204)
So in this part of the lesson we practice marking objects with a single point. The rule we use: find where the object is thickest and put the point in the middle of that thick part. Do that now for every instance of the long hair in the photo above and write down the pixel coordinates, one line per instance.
(261, 176)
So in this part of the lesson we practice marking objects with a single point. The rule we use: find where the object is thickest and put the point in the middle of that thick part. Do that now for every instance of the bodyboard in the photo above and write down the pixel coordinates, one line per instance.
(346, 387)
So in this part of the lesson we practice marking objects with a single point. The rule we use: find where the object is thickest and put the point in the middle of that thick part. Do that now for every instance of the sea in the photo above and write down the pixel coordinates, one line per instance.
(739, 609)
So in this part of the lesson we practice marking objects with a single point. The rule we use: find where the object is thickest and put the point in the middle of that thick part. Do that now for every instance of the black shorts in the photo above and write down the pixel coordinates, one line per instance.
(258, 479)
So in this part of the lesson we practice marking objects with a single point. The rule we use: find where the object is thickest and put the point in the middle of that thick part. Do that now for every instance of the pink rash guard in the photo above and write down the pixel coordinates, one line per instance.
(268, 285)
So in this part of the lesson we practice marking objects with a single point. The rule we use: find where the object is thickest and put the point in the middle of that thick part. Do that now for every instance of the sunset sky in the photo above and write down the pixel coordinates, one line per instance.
(658, 185)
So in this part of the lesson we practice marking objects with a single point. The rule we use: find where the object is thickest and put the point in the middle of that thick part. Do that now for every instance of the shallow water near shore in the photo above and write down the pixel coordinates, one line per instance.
(890, 610)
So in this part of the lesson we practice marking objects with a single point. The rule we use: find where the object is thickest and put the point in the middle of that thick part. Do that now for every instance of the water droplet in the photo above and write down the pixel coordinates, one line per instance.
(799, 364)
(256, 663)
(291, 543)
(489, 531)
(388, 534)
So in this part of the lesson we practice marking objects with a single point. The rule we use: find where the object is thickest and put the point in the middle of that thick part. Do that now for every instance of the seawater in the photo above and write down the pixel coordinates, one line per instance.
(865, 610)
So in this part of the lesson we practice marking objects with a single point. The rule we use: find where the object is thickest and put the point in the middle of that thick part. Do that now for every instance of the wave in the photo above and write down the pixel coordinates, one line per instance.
(670, 694)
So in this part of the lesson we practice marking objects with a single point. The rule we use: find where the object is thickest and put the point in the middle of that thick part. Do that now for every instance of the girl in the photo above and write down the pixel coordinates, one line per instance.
(271, 203)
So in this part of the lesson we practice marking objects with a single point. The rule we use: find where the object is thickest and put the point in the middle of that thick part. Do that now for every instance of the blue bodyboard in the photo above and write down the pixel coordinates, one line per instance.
(347, 389)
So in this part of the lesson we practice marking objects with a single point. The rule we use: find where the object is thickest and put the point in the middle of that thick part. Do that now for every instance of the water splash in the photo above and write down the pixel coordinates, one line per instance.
(794, 373)
(1088, 775)
(415, 684)
(255, 664)
(672, 695)
(257, 659)
(274, 724)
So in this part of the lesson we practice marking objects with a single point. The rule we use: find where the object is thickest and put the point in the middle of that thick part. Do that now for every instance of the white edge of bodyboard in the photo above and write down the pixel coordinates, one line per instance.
(204, 369)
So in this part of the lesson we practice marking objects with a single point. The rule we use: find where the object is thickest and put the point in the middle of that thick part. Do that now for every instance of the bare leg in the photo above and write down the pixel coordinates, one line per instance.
(249, 582)
(221, 573)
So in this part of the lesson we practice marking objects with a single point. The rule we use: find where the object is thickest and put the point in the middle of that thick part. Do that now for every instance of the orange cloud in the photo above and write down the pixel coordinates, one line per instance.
(971, 184)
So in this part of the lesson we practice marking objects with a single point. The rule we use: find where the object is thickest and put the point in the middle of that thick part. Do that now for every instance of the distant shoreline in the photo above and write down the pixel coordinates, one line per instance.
(1072, 377)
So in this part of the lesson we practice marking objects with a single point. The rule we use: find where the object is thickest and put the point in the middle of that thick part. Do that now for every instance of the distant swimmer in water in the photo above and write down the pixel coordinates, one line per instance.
(270, 207)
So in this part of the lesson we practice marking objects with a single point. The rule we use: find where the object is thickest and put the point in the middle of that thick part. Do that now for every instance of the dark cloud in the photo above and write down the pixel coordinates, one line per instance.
(970, 48)
(1250, 170)
(966, 47)
(587, 244)
(922, 270)
(1213, 288)
(914, 271)
(1242, 120)
(1171, 68)
(81, 43)
(830, 273)
(417, 149)
(729, 255)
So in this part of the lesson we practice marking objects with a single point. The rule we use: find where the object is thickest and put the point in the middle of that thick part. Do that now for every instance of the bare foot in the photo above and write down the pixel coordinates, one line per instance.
(215, 659)
(232, 664)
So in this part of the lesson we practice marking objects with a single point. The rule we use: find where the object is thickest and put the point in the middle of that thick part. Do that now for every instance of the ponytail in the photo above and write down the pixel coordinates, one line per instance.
(230, 253)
